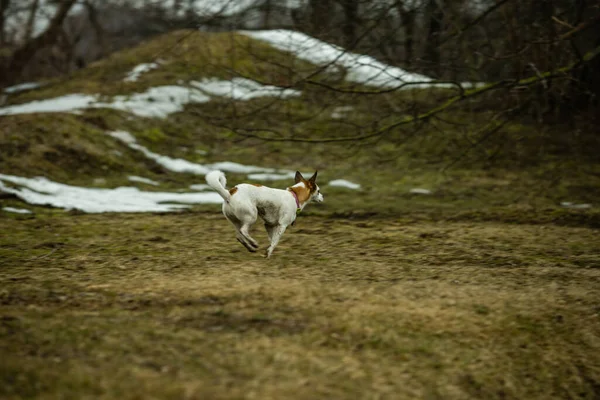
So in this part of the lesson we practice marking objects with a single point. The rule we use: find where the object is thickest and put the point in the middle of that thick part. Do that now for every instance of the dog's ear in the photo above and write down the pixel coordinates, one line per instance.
(314, 177)
(298, 178)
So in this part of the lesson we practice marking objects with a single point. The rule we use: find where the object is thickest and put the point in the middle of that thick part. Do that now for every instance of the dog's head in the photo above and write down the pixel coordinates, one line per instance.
(313, 191)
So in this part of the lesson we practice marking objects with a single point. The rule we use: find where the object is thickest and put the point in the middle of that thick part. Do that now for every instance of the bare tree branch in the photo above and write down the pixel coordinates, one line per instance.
(10, 72)
(506, 84)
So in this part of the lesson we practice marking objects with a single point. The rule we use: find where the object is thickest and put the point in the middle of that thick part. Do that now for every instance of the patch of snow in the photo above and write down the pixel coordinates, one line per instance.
(123, 136)
(22, 87)
(184, 166)
(172, 164)
(138, 70)
(358, 68)
(419, 191)
(66, 103)
(568, 204)
(345, 184)
(199, 186)
(140, 179)
(242, 89)
(236, 168)
(43, 191)
(157, 102)
(341, 111)
(272, 177)
(17, 210)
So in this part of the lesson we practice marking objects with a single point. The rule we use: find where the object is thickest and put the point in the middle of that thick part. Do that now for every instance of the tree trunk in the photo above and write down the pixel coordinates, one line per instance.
(3, 8)
(350, 21)
(267, 9)
(432, 44)
(31, 20)
(10, 72)
(320, 16)
(98, 29)
(408, 23)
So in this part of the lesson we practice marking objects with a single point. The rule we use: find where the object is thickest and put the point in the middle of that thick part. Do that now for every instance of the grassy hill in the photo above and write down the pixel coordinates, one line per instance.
(484, 288)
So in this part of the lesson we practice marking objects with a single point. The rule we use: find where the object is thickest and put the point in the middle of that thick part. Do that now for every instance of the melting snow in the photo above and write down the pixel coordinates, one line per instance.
(22, 87)
(272, 177)
(344, 183)
(359, 68)
(157, 101)
(568, 204)
(123, 136)
(181, 165)
(66, 103)
(199, 186)
(43, 191)
(229, 166)
(16, 210)
(419, 191)
(137, 71)
(242, 89)
(134, 178)
(341, 112)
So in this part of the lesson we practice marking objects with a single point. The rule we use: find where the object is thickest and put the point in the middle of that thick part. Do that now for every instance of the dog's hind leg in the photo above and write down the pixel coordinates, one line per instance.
(240, 236)
(274, 232)
(244, 231)
(245, 240)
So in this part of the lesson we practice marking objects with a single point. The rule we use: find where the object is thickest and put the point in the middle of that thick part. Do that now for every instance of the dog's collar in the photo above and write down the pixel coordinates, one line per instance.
(298, 209)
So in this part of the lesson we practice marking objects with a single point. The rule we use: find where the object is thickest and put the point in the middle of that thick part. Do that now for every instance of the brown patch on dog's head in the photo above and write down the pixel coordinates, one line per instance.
(308, 189)
(233, 190)
(302, 193)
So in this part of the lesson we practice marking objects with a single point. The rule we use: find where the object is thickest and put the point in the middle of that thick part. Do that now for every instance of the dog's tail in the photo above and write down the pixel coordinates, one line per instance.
(217, 181)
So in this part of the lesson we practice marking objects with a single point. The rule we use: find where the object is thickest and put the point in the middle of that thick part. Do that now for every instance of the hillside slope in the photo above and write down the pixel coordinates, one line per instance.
(193, 101)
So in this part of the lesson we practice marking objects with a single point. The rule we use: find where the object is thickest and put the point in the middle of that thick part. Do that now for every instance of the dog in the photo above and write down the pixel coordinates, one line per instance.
(277, 207)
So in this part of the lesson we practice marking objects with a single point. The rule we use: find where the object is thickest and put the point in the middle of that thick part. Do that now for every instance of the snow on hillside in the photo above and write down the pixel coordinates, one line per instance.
(159, 101)
(21, 87)
(17, 210)
(359, 68)
(139, 70)
(184, 166)
(242, 89)
(42, 191)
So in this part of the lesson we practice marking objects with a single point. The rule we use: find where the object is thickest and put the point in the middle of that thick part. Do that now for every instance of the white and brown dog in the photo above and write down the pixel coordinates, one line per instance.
(277, 207)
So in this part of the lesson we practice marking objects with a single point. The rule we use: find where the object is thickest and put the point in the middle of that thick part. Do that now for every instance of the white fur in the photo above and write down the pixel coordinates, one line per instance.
(217, 181)
(277, 207)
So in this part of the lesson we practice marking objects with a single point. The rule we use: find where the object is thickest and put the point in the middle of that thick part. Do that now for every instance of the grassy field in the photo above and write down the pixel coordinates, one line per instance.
(171, 306)
(487, 288)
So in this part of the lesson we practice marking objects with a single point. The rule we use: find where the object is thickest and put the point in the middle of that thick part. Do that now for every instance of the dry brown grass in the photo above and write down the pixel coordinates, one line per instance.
(171, 306)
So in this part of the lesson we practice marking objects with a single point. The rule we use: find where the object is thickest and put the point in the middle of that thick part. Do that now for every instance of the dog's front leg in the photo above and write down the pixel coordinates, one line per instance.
(275, 233)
